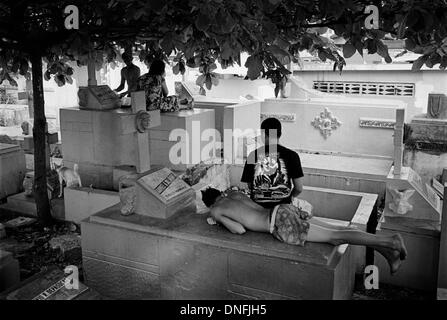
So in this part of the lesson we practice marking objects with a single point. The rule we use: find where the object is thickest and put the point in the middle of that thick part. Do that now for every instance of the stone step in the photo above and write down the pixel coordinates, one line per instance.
(9, 270)
(26, 206)
(48, 285)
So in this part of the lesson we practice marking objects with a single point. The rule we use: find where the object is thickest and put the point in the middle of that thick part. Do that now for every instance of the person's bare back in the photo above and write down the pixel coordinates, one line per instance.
(293, 225)
(241, 210)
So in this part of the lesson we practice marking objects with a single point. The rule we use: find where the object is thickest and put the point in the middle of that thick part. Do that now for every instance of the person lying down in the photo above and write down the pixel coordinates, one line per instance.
(295, 225)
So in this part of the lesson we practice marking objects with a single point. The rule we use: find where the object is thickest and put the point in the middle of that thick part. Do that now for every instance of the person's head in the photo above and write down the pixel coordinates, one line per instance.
(157, 68)
(271, 130)
(209, 196)
(127, 58)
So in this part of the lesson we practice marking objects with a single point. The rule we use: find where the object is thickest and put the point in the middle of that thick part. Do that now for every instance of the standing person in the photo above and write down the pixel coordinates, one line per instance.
(129, 73)
(273, 172)
(154, 85)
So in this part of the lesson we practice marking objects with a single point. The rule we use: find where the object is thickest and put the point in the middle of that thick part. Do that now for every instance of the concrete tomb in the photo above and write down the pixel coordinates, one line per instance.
(9, 270)
(143, 256)
(12, 169)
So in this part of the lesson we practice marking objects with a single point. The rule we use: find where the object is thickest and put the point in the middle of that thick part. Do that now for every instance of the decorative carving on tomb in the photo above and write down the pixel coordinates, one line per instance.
(399, 203)
(28, 184)
(27, 129)
(142, 121)
(284, 117)
(377, 123)
(127, 193)
(326, 122)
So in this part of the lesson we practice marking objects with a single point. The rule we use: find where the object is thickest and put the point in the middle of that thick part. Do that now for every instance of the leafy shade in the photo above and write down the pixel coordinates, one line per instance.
(199, 33)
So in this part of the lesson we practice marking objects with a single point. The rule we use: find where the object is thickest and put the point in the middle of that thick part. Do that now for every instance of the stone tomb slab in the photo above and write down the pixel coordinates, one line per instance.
(160, 193)
(183, 257)
(12, 169)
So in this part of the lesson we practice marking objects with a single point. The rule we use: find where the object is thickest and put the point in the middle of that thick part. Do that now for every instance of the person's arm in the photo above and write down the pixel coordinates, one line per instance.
(123, 81)
(164, 88)
(233, 226)
(248, 173)
(297, 186)
(296, 174)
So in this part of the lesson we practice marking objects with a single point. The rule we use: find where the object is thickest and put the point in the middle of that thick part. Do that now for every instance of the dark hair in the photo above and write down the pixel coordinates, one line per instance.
(209, 196)
(127, 56)
(157, 68)
(271, 124)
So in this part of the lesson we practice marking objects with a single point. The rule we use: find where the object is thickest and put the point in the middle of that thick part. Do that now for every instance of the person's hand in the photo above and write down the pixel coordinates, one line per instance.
(296, 202)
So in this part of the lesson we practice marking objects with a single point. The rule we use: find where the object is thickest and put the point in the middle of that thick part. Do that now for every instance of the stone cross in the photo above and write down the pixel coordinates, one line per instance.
(143, 121)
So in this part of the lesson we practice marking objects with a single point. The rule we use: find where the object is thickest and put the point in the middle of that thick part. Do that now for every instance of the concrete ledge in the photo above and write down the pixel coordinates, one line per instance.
(420, 269)
(12, 169)
(185, 258)
(26, 206)
(81, 203)
(9, 270)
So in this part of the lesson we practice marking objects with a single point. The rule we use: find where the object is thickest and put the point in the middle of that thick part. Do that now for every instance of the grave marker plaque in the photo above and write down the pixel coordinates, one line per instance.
(433, 197)
(160, 194)
(98, 98)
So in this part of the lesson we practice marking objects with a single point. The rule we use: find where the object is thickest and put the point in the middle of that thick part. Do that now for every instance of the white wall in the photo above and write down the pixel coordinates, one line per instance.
(349, 138)
(426, 81)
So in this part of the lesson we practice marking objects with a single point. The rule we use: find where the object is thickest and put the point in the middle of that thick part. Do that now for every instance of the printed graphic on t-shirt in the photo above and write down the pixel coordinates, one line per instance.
(271, 182)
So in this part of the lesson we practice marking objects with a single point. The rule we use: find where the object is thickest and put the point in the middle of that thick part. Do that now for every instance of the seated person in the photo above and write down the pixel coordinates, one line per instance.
(154, 85)
(129, 73)
(293, 225)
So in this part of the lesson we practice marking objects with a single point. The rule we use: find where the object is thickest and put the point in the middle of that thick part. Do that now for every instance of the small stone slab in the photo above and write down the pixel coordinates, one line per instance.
(442, 294)
(69, 244)
(47, 285)
(19, 222)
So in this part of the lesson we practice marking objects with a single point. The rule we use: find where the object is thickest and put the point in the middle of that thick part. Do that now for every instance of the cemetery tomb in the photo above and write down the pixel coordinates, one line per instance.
(9, 270)
(12, 169)
(413, 209)
(103, 143)
(183, 257)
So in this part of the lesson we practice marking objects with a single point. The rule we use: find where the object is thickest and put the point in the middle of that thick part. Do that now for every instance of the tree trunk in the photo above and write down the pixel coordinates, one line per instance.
(39, 138)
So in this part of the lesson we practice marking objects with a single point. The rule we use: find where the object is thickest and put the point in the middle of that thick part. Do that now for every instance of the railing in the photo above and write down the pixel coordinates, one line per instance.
(366, 88)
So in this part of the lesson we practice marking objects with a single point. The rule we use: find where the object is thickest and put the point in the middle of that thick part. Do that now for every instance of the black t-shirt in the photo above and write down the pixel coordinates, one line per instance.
(270, 172)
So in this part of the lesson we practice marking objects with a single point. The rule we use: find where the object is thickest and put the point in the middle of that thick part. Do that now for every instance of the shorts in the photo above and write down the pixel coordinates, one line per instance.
(289, 224)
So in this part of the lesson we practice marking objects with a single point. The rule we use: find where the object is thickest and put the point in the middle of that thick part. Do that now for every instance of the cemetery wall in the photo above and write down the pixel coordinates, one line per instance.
(424, 81)
(365, 130)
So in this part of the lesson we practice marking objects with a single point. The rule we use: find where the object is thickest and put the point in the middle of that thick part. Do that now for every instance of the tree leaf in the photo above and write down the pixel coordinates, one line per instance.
(176, 69)
(254, 66)
(382, 49)
(208, 82)
(47, 75)
(280, 54)
(200, 80)
(348, 50)
(417, 65)
(203, 22)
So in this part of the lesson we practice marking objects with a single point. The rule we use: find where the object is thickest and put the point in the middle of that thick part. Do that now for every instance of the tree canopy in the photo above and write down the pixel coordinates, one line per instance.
(200, 33)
